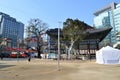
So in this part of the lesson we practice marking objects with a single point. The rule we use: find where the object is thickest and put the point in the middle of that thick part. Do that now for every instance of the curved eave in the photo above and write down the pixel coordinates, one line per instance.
(92, 34)
(98, 34)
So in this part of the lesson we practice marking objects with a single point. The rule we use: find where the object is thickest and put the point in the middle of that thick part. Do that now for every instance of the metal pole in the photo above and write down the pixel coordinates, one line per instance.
(18, 49)
(59, 47)
(48, 39)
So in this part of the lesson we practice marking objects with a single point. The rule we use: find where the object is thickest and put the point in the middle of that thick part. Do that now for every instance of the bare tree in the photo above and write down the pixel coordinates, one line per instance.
(37, 28)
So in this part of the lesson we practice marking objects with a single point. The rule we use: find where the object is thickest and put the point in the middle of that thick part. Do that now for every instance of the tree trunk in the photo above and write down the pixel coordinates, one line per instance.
(66, 51)
(69, 50)
(39, 53)
(39, 46)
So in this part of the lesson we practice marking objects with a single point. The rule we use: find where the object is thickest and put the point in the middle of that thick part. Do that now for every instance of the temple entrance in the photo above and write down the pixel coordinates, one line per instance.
(87, 49)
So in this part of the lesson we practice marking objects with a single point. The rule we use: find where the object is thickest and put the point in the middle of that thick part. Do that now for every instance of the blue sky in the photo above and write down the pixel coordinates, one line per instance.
(53, 11)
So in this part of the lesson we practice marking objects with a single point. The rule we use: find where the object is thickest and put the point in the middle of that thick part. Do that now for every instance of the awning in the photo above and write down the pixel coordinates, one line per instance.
(20, 49)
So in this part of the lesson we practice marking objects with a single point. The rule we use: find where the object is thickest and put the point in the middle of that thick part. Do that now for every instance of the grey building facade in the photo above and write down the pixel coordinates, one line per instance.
(11, 28)
(109, 16)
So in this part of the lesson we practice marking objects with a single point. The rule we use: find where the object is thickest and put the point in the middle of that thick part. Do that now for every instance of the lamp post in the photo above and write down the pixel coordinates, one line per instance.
(58, 47)
(18, 46)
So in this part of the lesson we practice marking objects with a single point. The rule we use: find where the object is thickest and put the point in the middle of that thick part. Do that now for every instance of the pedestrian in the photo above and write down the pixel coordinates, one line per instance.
(1, 56)
(29, 57)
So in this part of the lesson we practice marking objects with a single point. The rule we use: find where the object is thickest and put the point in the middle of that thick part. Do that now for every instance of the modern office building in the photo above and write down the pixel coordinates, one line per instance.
(11, 28)
(109, 16)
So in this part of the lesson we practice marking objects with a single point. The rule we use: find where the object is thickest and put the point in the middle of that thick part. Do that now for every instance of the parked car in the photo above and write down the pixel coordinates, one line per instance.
(20, 55)
(23, 55)
(5, 55)
(13, 55)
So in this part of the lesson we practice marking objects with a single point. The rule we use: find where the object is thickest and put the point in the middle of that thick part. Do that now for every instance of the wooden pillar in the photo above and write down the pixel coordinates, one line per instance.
(97, 45)
(88, 46)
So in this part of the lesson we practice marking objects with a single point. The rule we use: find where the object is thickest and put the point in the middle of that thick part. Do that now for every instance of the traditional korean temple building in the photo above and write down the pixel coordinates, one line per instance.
(89, 44)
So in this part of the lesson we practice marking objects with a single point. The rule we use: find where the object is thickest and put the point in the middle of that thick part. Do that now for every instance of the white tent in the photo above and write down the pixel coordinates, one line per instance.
(108, 55)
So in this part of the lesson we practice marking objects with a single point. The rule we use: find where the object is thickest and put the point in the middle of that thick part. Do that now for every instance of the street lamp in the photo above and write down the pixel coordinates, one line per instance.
(18, 46)
(59, 47)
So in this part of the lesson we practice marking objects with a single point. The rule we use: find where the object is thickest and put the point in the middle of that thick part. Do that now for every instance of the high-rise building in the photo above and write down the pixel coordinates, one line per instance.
(109, 16)
(11, 28)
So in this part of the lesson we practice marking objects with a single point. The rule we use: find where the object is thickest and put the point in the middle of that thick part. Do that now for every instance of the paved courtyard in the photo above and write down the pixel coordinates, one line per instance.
(48, 70)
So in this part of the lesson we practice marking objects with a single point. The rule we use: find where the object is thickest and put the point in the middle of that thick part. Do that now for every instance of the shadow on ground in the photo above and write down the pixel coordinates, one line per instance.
(5, 66)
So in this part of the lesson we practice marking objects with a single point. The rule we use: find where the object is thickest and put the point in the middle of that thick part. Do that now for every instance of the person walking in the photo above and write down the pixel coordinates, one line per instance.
(1, 56)
(29, 57)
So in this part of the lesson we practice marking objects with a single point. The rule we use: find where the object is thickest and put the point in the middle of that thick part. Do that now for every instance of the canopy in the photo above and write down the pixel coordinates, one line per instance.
(19, 49)
(108, 55)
